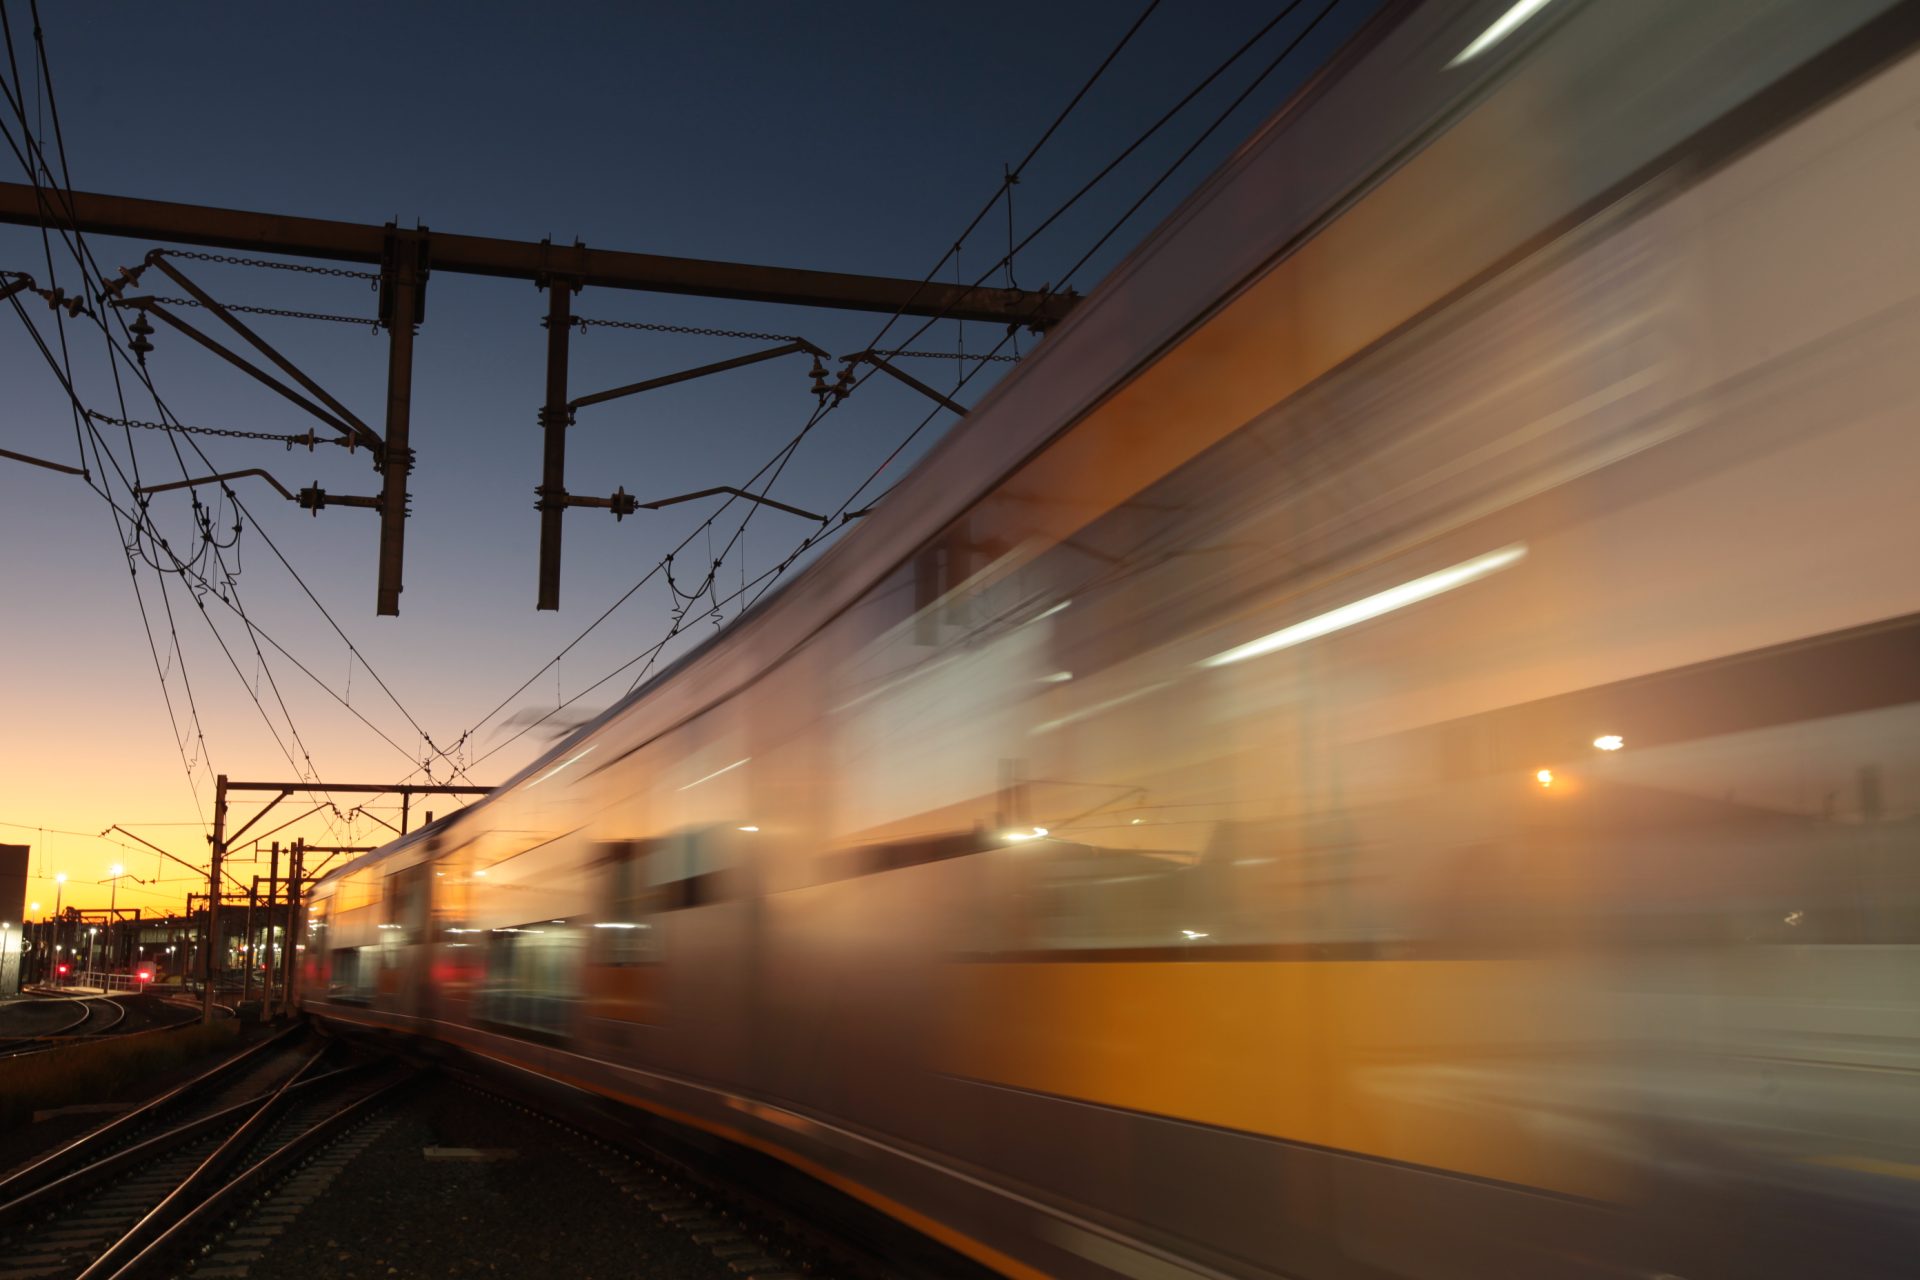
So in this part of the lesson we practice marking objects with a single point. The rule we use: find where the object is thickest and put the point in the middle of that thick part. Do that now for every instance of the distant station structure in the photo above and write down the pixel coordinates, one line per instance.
(13, 914)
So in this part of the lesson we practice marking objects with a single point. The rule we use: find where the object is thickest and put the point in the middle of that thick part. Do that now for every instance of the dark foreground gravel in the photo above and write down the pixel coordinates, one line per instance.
(540, 1202)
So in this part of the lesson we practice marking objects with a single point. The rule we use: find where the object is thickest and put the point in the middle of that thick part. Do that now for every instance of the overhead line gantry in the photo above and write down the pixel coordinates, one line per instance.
(406, 257)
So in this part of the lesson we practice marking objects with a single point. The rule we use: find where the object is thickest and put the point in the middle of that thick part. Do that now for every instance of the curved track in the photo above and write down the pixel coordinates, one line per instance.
(67, 1019)
(50, 1021)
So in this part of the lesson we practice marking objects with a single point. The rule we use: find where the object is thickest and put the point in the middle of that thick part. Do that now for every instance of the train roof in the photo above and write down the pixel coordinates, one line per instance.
(1217, 239)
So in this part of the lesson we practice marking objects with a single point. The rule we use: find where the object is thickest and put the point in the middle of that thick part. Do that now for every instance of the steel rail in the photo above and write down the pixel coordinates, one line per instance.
(79, 1151)
(47, 1044)
(181, 1201)
(179, 1237)
(117, 1162)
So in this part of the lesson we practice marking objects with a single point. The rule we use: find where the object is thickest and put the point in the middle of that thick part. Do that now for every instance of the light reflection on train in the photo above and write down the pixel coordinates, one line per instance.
(1430, 796)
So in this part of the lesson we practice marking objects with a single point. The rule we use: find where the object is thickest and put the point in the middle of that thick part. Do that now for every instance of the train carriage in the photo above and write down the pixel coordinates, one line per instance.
(1389, 746)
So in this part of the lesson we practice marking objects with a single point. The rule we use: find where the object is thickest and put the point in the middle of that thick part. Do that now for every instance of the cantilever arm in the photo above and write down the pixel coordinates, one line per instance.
(688, 375)
(624, 504)
(347, 420)
(738, 493)
(42, 462)
(884, 366)
(223, 476)
(154, 307)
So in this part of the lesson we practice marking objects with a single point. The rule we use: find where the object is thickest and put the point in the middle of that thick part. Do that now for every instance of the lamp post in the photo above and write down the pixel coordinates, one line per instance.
(59, 923)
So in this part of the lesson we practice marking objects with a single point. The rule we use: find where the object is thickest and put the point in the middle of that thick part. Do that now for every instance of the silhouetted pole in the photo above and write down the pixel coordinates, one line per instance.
(271, 975)
(553, 429)
(213, 893)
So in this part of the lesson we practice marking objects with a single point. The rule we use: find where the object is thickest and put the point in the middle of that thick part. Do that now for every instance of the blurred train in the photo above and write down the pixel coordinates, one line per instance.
(1388, 747)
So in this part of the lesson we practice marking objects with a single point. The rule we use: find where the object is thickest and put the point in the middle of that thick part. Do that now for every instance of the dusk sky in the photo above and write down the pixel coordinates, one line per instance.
(861, 138)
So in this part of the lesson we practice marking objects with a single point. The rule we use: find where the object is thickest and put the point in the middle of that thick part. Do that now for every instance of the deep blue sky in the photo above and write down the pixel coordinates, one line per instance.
(855, 137)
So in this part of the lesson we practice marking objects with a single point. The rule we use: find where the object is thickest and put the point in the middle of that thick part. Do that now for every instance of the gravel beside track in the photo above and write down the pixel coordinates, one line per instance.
(394, 1199)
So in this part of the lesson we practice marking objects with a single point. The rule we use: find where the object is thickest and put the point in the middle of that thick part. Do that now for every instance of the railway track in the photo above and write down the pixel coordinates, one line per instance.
(399, 1197)
(297, 1157)
(60, 1020)
(121, 1200)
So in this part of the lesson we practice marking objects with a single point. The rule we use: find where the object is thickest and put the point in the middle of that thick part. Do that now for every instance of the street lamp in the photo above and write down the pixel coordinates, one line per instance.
(59, 926)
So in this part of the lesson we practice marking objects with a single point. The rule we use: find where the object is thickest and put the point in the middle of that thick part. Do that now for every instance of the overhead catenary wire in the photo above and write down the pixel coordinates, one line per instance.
(79, 249)
(140, 520)
(786, 451)
(1286, 51)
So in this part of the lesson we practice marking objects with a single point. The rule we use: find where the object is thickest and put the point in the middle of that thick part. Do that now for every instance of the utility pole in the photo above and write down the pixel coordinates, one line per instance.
(553, 427)
(294, 869)
(213, 893)
(246, 943)
(270, 978)
(403, 278)
(222, 840)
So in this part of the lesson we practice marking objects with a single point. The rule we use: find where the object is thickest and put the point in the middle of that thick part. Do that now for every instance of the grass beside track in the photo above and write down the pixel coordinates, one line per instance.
(105, 1070)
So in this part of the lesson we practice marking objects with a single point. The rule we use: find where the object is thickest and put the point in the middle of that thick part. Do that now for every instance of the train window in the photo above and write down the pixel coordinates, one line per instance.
(628, 936)
(533, 978)
(407, 894)
(354, 972)
(693, 868)
(360, 889)
(1077, 896)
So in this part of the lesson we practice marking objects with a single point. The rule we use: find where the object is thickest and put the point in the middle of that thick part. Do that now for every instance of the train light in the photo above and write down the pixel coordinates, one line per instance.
(1609, 742)
(749, 828)
(1373, 606)
(1503, 26)
(1544, 777)
(1014, 837)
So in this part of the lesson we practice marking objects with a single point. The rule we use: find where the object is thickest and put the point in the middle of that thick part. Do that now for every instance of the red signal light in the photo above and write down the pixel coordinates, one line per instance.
(61, 969)
(144, 976)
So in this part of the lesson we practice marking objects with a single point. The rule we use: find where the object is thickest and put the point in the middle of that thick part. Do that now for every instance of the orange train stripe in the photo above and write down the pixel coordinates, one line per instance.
(1443, 1064)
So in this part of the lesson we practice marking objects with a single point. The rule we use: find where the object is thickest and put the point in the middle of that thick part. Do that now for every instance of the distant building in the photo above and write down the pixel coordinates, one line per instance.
(13, 914)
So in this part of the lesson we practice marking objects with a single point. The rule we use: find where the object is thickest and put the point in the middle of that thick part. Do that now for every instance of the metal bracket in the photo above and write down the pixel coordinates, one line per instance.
(221, 478)
(313, 499)
(883, 365)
